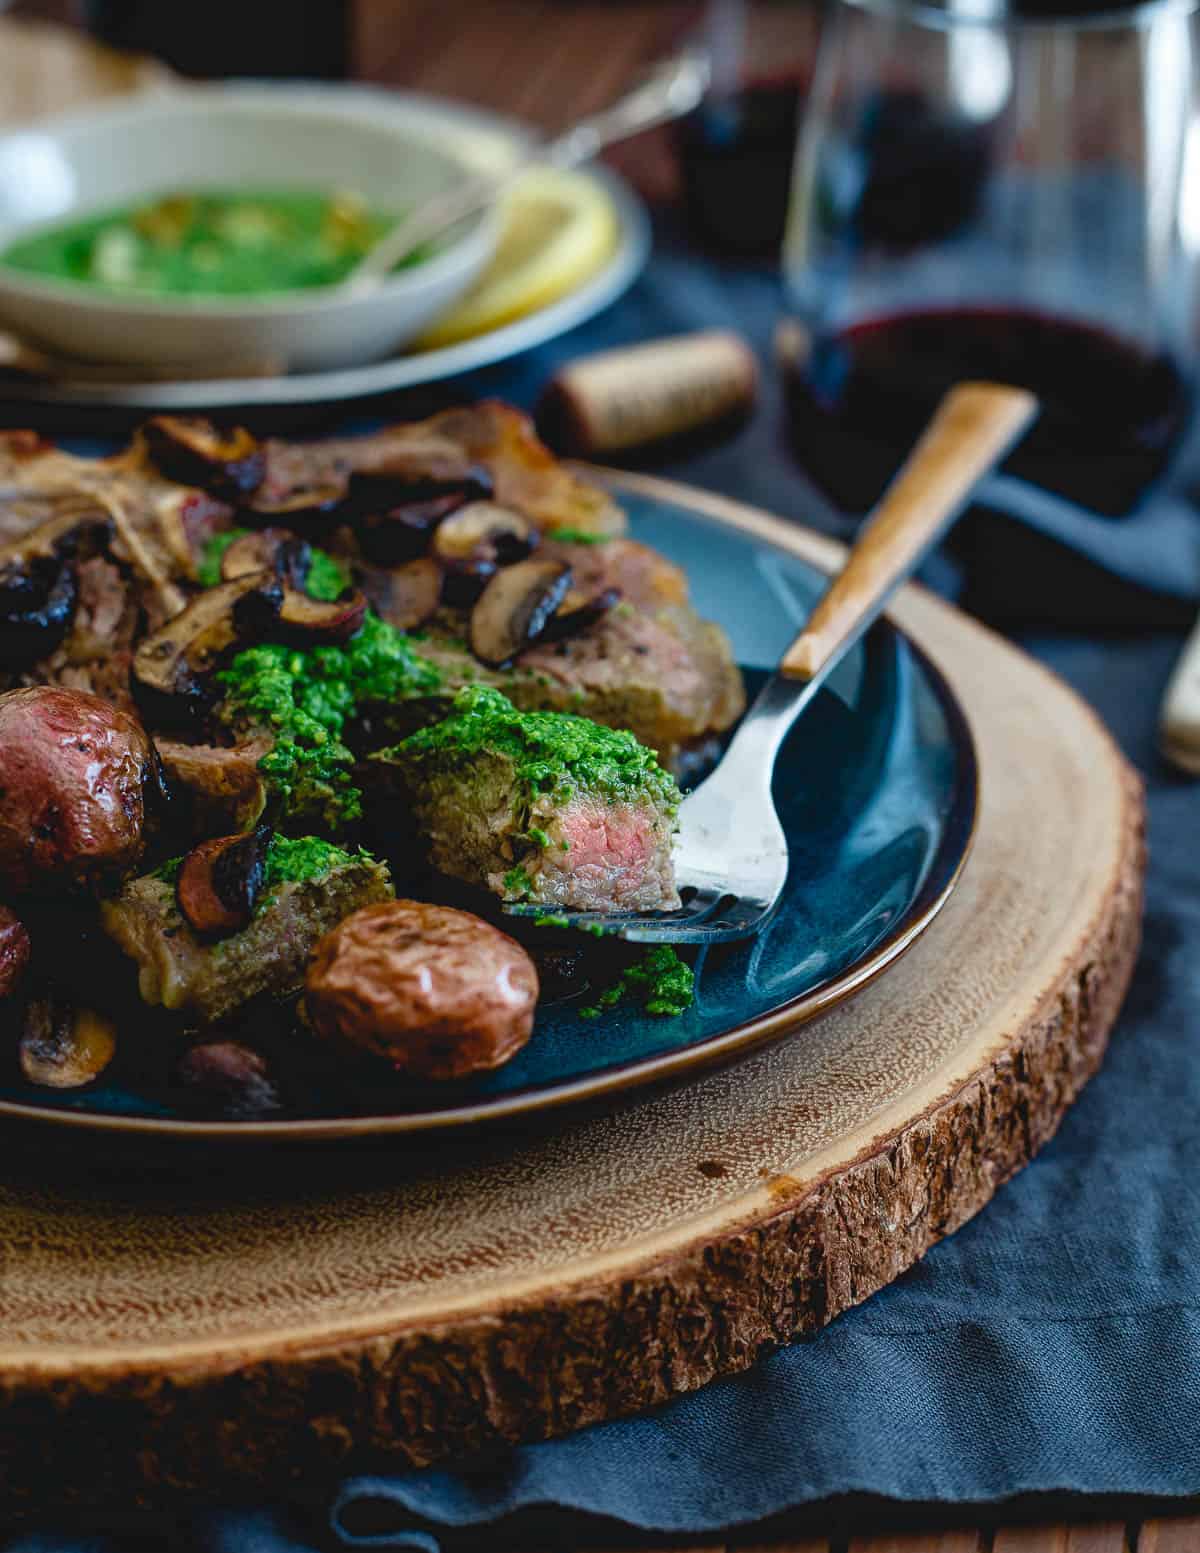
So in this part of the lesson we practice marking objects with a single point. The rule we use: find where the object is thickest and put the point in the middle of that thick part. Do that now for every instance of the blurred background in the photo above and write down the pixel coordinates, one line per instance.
(545, 61)
(873, 200)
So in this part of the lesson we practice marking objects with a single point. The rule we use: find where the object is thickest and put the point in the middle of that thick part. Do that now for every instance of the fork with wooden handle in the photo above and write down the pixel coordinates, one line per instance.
(732, 856)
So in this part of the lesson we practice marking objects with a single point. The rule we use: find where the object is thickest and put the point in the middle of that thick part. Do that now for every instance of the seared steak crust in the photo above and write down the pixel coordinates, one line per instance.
(208, 981)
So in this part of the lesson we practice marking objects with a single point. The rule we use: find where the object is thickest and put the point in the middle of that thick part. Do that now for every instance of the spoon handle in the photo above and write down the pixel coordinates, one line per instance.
(670, 90)
(974, 426)
(666, 92)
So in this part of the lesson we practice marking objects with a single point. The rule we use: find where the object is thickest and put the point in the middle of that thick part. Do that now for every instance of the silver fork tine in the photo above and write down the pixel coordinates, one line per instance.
(732, 849)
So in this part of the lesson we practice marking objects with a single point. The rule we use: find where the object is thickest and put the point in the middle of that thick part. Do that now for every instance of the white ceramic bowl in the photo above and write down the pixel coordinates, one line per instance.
(64, 168)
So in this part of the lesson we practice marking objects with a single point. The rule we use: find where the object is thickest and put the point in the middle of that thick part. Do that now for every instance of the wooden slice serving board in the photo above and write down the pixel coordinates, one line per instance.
(211, 1319)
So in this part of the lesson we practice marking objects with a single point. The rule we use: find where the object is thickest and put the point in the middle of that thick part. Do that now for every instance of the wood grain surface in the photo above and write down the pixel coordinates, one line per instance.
(249, 1324)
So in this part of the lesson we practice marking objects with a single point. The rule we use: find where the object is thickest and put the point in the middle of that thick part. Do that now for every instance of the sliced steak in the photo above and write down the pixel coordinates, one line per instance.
(540, 806)
(650, 664)
(208, 981)
(642, 576)
(666, 676)
(526, 474)
(601, 856)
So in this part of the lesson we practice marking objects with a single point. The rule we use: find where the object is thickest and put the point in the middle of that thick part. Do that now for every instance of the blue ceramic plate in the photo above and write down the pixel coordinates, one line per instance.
(877, 791)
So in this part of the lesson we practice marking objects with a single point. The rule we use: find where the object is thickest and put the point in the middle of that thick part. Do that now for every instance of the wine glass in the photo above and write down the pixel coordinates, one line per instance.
(980, 192)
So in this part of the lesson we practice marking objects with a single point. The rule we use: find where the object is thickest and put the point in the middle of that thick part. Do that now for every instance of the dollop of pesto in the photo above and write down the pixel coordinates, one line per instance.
(327, 578)
(659, 980)
(551, 752)
(305, 697)
(295, 859)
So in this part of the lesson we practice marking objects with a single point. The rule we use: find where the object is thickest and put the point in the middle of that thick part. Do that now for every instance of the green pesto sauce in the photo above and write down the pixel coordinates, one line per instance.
(578, 536)
(517, 882)
(327, 579)
(306, 697)
(551, 752)
(660, 981)
(210, 242)
(293, 860)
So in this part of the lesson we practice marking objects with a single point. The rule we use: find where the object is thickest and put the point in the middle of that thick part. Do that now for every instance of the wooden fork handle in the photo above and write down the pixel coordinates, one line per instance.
(972, 429)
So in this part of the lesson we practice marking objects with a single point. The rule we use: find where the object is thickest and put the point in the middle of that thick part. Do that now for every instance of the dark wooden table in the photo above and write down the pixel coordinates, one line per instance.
(548, 61)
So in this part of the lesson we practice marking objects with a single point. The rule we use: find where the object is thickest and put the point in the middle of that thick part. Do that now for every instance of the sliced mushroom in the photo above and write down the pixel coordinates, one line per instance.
(227, 1079)
(514, 608)
(38, 584)
(484, 526)
(171, 668)
(36, 610)
(64, 1047)
(308, 622)
(221, 790)
(273, 549)
(193, 451)
(77, 528)
(38, 581)
(394, 514)
(403, 596)
(579, 613)
(220, 881)
(15, 950)
(473, 542)
(463, 582)
(310, 508)
(400, 533)
(301, 619)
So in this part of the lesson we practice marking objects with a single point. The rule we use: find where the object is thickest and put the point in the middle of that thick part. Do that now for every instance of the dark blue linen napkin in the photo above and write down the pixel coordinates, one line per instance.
(1054, 1342)
(1051, 1344)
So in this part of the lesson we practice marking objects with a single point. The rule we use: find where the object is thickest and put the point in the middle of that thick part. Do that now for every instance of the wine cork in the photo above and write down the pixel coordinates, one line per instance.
(627, 398)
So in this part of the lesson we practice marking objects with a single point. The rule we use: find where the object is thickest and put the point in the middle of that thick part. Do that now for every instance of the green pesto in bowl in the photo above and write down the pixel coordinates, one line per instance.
(210, 243)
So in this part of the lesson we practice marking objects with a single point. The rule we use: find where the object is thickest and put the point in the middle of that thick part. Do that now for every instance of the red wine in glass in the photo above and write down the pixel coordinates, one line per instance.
(1112, 411)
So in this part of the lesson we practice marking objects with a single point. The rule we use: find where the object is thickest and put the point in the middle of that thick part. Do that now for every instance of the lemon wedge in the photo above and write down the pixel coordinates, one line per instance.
(557, 230)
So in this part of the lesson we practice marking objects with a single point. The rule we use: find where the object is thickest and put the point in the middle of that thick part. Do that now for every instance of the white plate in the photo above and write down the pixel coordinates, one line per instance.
(74, 165)
(486, 139)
